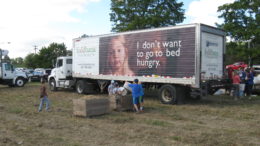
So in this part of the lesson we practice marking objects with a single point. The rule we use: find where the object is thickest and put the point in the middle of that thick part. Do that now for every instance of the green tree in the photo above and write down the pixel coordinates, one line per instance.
(141, 14)
(48, 55)
(17, 62)
(242, 24)
(30, 61)
(6, 59)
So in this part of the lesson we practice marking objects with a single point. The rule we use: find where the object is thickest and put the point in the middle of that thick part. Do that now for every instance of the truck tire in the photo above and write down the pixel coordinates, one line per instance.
(81, 87)
(53, 85)
(19, 82)
(168, 94)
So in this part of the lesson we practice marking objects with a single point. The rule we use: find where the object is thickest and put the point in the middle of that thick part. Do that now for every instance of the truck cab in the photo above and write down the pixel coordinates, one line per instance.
(61, 75)
(10, 77)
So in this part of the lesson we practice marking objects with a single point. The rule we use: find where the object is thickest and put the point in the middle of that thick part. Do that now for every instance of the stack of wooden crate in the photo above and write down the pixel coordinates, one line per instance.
(121, 103)
(90, 107)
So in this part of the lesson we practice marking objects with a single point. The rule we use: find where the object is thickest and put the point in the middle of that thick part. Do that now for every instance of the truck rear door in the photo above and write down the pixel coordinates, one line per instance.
(212, 50)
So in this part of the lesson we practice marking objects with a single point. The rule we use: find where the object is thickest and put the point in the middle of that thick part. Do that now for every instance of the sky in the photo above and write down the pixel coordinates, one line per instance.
(25, 24)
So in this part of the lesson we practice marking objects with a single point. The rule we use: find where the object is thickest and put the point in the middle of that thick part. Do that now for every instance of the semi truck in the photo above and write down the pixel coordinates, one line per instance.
(180, 61)
(8, 75)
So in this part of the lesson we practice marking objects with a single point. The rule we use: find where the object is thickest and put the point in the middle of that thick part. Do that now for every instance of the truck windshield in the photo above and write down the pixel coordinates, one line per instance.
(8, 67)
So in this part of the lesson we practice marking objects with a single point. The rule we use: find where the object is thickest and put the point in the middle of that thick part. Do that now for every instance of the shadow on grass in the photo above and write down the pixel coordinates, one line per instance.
(216, 100)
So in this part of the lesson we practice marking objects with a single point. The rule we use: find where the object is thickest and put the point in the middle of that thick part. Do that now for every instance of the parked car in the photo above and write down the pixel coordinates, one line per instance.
(40, 73)
(37, 74)
(237, 65)
(46, 73)
(256, 69)
(19, 69)
(29, 72)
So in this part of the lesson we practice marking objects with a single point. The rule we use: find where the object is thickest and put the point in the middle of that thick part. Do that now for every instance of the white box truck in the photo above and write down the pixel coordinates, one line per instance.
(177, 60)
(8, 75)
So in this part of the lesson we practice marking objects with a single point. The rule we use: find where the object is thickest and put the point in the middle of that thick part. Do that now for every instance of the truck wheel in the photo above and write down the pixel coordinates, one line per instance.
(167, 94)
(80, 87)
(53, 85)
(19, 82)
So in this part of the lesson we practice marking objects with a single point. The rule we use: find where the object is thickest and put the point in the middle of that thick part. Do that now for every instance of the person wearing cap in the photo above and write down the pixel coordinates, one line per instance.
(136, 93)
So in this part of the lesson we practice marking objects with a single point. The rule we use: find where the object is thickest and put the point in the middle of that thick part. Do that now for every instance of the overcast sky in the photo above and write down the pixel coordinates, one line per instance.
(29, 23)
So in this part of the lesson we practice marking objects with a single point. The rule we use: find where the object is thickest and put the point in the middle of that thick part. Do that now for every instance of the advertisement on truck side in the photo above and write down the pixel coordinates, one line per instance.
(169, 53)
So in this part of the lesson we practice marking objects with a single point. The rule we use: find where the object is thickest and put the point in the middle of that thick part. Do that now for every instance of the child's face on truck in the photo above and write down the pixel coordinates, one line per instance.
(117, 54)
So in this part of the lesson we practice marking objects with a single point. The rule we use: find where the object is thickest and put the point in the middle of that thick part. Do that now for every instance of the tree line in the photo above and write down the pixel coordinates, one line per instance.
(241, 23)
(44, 59)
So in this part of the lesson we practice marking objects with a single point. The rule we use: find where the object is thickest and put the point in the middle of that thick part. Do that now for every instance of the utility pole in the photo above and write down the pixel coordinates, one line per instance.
(35, 48)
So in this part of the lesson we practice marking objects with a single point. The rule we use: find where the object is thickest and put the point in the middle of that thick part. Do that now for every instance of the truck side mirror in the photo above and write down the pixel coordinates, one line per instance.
(53, 64)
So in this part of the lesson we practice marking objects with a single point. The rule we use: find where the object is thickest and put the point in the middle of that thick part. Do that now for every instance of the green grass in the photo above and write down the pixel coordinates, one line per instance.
(123, 119)
(15, 110)
(176, 138)
(157, 123)
(215, 120)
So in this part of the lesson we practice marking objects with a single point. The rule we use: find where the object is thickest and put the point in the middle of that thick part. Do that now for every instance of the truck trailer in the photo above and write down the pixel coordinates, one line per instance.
(179, 61)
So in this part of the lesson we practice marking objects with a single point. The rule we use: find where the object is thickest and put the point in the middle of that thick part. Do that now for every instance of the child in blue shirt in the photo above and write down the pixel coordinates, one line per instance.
(136, 92)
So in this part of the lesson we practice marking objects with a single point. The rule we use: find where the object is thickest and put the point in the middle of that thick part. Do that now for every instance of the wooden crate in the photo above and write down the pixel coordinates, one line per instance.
(121, 103)
(90, 107)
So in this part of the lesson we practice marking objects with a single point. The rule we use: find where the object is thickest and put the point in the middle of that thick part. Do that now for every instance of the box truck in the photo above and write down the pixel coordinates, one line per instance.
(8, 75)
(179, 61)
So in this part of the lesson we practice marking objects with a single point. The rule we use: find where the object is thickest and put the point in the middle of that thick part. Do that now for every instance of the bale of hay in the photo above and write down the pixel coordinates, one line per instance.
(90, 107)
(121, 103)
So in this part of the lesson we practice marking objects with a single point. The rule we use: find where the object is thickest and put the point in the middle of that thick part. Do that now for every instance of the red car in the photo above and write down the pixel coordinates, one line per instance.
(237, 65)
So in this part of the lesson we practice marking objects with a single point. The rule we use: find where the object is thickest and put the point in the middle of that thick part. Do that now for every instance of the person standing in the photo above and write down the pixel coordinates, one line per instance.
(141, 98)
(111, 87)
(136, 92)
(242, 75)
(249, 82)
(43, 97)
(236, 82)
(230, 77)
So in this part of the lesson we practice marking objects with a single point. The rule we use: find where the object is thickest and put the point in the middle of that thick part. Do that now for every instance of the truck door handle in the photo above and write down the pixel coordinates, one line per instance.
(5, 74)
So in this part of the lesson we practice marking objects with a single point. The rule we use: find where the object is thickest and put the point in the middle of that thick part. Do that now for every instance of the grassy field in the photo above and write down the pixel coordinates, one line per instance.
(214, 120)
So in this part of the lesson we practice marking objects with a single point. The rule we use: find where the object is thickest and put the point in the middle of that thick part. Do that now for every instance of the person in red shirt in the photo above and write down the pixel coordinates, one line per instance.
(236, 82)
(230, 73)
